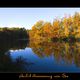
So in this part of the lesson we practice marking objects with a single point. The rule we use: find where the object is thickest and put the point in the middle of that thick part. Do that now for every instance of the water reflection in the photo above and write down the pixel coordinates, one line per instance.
(24, 56)
(6, 63)
(67, 52)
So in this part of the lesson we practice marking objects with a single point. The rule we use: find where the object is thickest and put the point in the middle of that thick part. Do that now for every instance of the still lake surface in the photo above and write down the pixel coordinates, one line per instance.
(40, 57)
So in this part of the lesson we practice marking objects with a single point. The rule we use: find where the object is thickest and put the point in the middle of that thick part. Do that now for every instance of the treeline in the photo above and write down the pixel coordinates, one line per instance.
(10, 34)
(67, 28)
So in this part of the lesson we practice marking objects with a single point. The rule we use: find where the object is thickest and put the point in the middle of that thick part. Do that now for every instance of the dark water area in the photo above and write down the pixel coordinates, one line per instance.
(39, 56)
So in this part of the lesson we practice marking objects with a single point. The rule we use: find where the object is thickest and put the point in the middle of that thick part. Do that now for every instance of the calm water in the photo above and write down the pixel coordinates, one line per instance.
(40, 57)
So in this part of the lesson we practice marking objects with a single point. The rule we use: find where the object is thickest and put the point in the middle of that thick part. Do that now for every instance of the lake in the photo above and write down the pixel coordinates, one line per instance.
(40, 57)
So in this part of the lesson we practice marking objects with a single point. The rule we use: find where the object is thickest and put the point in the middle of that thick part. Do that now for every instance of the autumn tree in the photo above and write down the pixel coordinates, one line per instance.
(47, 28)
(66, 28)
(76, 24)
(56, 28)
(36, 29)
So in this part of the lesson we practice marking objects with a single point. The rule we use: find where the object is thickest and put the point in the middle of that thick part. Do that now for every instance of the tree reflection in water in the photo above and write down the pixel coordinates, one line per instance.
(68, 52)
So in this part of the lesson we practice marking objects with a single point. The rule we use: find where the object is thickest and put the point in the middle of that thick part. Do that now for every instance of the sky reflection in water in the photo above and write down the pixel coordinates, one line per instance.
(45, 64)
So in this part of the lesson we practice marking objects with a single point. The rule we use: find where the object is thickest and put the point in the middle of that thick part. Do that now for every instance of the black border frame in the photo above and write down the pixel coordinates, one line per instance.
(39, 4)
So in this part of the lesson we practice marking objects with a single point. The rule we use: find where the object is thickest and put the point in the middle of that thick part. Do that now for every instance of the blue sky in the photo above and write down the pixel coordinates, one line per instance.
(27, 17)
